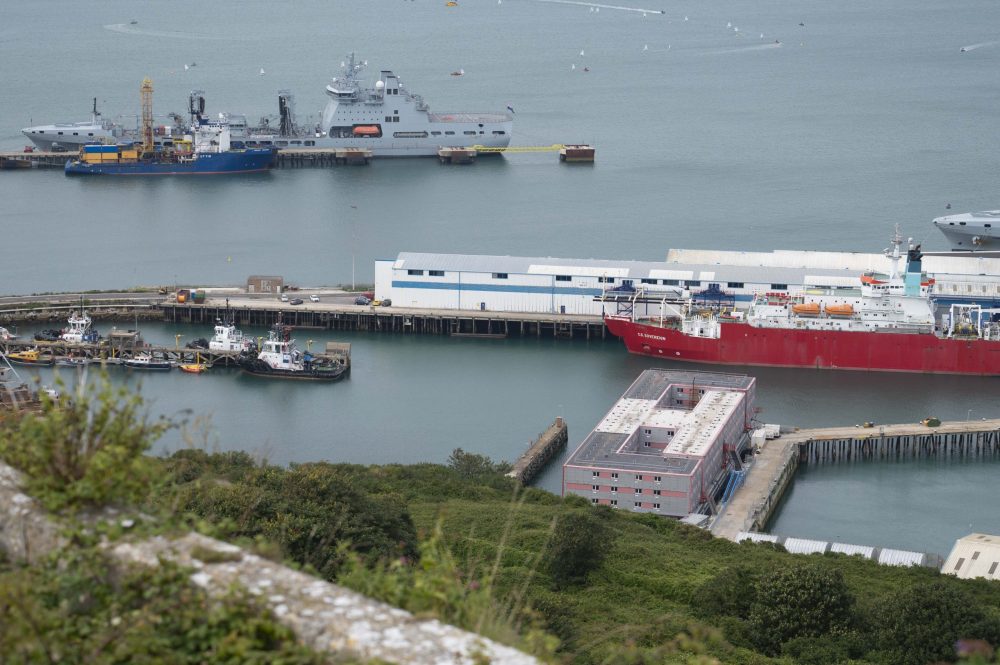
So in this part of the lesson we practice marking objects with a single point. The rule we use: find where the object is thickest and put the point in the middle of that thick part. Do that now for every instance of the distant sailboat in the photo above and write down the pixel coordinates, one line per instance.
(645, 47)
(261, 71)
(459, 72)
(581, 51)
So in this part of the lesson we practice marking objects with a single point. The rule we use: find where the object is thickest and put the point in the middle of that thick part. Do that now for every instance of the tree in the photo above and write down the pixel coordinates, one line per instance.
(922, 623)
(579, 544)
(472, 466)
(801, 601)
(729, 593)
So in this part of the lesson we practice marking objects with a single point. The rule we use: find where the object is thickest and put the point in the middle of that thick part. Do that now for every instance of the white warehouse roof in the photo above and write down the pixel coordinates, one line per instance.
(975, 555)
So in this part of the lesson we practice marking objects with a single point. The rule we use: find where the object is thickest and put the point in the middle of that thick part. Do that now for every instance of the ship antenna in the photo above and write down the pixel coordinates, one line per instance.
(897, 241)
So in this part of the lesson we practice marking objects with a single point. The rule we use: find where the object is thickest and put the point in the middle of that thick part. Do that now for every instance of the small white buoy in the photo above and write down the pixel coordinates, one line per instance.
(185, 67)
(573, 66)
(645, 47)
(685, 18)
(729, 25)
(762, 35)
(581, 51)
(261, 71)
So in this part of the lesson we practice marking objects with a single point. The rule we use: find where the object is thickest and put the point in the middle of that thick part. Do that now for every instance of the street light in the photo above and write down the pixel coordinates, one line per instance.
(177, 342)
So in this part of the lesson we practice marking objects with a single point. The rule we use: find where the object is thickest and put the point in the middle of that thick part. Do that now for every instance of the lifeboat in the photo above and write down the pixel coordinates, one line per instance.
(367, 130)
(806, 308)
(840, 310)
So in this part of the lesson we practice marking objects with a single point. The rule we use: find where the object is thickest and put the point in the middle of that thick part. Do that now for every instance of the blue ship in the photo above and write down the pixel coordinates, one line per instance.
(127, 160)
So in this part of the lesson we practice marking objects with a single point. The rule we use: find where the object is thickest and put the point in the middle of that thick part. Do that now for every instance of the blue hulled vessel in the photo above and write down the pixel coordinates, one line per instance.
(207, 150)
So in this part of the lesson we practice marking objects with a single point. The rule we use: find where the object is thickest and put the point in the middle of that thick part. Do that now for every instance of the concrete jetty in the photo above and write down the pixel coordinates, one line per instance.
(543, 449)
(774, 467)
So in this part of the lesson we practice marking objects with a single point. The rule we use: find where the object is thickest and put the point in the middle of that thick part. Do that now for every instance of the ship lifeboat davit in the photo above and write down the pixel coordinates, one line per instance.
(874, 278)
(806, 309)
(840, 310)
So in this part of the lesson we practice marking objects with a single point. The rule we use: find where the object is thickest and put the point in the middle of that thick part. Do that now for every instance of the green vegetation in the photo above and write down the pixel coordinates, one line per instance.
(76, 608)
(557, 577)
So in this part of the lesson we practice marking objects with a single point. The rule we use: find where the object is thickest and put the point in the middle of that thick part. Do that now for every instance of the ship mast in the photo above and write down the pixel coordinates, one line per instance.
(894, 255)
(146, 93)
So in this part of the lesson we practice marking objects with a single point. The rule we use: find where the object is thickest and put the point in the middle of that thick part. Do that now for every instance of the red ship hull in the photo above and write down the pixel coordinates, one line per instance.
(743, 344)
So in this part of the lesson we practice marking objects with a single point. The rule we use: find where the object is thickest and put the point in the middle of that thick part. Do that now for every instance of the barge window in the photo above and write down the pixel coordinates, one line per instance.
(605, 280)
(499, 132)
(692, 282)
(449, 133)
(499, 275)
(596, 474)
(656, 506)
(614, 502)
(436, 273)
(310, 143)
(614, 474)
(638, 490)
(638, 477)
(657, 478)
(414, 272)
(469, 133)
(648, 281)
(671, 282)
(614, 489)
(779, 287)
(563, 278)
(435, 133)
(90, 134)
(596, 488)
(656, 492)
(734, 285)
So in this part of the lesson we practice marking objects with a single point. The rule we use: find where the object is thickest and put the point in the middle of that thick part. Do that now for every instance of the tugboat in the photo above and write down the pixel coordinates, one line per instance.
(30, 357)
(79, 330)
(280, 358)
(228, 338)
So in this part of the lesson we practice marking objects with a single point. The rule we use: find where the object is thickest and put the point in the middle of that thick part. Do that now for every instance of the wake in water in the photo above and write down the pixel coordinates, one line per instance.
(600, 6)
(973, 47)
(744, 49)
(128, 29)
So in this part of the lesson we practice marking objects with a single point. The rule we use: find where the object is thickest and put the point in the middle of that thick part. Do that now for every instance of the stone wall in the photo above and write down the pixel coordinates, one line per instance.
(325, 617)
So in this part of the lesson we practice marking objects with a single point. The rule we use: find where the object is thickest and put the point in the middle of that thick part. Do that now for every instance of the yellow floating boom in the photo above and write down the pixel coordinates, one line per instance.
(555, 147)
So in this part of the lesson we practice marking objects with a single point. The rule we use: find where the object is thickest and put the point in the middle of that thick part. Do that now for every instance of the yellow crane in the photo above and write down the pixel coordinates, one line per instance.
(146, 93)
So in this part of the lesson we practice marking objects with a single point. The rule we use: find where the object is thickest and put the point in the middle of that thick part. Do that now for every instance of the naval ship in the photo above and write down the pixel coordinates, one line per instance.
(972, 231)
(386, 118)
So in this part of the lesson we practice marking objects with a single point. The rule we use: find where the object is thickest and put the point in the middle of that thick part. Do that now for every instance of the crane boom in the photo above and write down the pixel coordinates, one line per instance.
(146, 93)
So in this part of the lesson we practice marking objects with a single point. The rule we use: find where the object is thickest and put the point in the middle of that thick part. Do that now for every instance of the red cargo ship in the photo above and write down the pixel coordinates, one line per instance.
(886, 323)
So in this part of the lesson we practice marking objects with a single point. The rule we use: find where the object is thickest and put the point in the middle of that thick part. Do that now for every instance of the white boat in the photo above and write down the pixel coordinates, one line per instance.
(79, 329)
(145, 361)
(6, 335)
(72, 361)
(228, 338)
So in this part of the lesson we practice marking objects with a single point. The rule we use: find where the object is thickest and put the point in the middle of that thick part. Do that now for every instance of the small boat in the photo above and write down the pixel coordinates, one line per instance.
(6, 335)
(71, 361)
(458, 72)
(839, 310)
(227, 338)
(193, 368)
(30, 357)
(145, 361)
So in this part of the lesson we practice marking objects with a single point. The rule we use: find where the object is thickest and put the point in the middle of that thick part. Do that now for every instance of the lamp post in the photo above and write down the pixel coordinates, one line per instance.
(177, 342)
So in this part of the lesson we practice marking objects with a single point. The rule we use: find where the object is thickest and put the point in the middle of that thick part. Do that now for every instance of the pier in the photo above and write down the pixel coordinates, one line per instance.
(544, 448)
(774, 467)
(334, 316)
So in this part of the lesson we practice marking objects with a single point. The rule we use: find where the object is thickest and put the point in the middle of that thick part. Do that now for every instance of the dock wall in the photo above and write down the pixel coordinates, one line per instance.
(548, 444)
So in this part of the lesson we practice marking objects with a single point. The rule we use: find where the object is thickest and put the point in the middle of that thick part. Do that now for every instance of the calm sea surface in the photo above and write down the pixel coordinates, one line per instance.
(866, 115)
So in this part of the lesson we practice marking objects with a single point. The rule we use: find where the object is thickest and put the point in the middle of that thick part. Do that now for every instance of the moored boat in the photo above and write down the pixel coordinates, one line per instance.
(881, 324)
(79, 329)
(145, 361)
(30, 357)
(227, 338)
(278, 357)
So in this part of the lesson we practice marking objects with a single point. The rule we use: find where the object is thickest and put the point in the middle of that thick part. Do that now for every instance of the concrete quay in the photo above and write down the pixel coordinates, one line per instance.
(774, 467)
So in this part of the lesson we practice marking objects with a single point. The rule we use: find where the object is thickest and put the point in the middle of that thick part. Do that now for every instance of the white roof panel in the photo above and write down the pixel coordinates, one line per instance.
(578, 271)
(804, 546)
(853, 550)
(889, 557)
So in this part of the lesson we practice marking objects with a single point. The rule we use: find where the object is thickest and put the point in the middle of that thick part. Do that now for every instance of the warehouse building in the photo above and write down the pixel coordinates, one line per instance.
(576, 286)
(667, 445)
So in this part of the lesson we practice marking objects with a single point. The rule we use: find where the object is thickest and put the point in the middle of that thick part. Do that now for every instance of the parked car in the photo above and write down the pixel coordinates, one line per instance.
(314, 298)
(284, 297)
(58, 148)
(296, 301)
(361, 300)
(386, 302)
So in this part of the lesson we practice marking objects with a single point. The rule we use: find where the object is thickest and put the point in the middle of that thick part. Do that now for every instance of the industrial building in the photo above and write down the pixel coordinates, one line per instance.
(975, 555)
(576, 286)
(667, 445)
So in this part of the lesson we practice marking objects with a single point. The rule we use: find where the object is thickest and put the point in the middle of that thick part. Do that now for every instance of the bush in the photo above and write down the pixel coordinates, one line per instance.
(471, 466)
(579, 545)
(310, 511)
(85, 448)
(729, 593)
(800, 601)
(922, 624)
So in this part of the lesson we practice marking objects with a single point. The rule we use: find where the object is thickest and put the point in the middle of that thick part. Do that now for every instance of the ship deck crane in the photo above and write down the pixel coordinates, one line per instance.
(146, 94)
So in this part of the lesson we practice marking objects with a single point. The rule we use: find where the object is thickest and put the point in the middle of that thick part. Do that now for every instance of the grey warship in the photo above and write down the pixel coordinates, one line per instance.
(385, 117)
(972, 231)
